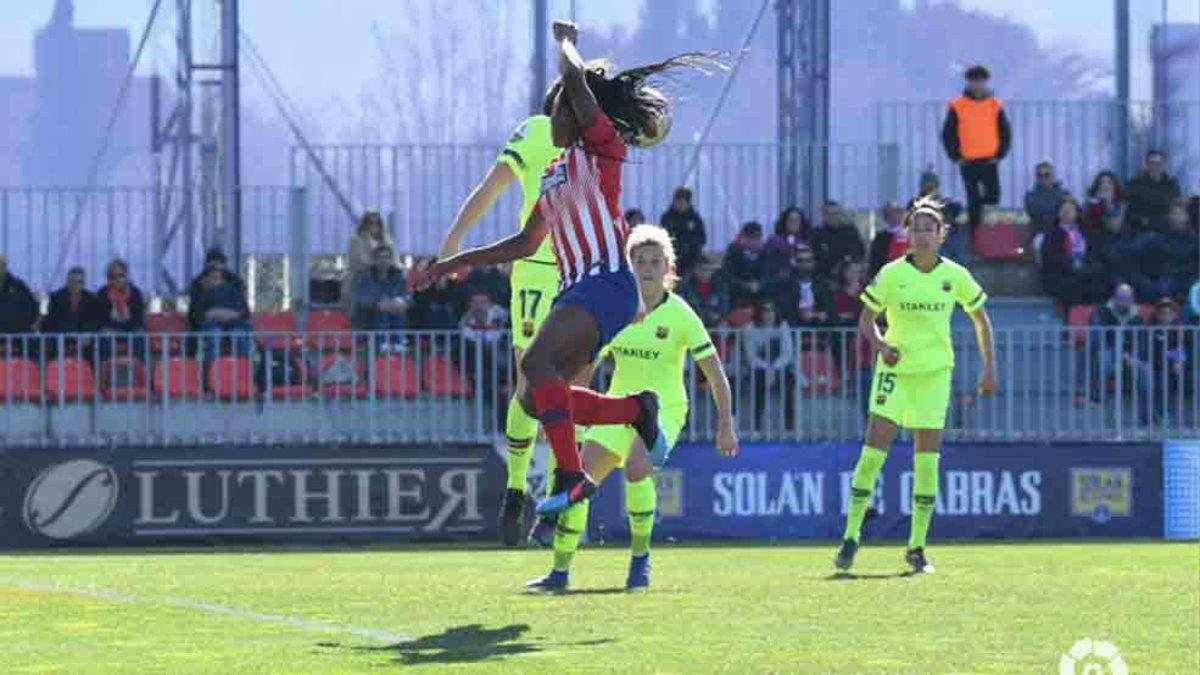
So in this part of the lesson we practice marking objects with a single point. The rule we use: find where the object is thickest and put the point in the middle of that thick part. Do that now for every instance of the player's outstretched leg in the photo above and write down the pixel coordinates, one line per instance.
(542, 532)
(571, 524)
(639, 410)
(641, 501)
(924, 498)
(521, 430)
(862, 486)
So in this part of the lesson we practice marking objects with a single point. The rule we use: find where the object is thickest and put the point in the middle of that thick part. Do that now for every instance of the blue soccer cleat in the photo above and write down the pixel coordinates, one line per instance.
(576, 487)
(554, 582)
(650, 430)
(639, 573)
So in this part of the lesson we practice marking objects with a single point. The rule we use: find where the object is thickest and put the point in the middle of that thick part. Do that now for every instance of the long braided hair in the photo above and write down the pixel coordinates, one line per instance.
(631, 100)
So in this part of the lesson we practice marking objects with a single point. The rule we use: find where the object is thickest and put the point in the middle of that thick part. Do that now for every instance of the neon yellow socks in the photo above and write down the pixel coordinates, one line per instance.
(521, 430)
(571, 525)
(925, 489)
(862, 485)
(641, 500)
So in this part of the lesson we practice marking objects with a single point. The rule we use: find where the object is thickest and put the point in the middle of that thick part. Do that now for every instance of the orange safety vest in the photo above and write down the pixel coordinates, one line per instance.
(978, 126)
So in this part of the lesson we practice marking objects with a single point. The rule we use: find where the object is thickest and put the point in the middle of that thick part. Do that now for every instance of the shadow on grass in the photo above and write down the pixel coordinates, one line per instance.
(850, 576)
(463, 644)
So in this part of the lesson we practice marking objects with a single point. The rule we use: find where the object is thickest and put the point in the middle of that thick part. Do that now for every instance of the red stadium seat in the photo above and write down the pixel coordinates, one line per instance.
(819, 371)
(160, 323)
(287, 378)
(329, 330)
(123, 379)
(1078, 319)
(443, 378)
(341, 376)
(70, 380)
(178, 377)
(231, 378)
(1000, 241)
(19, 380)
(396, 377)
(282, 324)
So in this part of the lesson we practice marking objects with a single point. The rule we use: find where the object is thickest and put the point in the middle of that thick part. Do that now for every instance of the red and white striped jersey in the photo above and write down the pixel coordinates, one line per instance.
(580, 202)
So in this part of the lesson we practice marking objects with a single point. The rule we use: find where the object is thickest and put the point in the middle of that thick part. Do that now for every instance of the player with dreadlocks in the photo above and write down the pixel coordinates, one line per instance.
(593, 117)
(912, 374)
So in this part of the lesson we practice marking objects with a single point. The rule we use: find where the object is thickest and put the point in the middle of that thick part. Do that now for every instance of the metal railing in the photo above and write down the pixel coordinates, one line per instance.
(421, 186)
(1081, 138)
(440, 387)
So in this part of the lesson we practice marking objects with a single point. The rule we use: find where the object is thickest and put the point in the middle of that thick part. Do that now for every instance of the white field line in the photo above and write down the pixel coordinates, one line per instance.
(309, 625)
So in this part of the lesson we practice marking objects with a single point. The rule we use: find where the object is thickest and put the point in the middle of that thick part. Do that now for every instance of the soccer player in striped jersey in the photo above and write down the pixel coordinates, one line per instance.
(593, 117)
(649, 354)
(534, 283)
(912, 373)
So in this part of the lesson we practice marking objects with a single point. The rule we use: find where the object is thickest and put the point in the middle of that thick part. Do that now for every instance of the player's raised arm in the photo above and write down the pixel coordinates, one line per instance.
(497, 180)
(987, 350)
(571, 68)
(714, 374)
(519, 245)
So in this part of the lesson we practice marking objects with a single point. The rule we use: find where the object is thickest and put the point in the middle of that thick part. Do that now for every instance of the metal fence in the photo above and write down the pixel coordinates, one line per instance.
(1081, 138)
(46, 231)
(440, 387)
(421, 186)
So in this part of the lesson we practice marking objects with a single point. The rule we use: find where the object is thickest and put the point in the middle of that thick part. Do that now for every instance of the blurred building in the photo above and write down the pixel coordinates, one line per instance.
(1175, 53)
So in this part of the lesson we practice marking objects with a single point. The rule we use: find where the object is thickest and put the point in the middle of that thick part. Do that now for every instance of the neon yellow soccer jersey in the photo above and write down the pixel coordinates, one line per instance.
(528, 152)
(651, 354)
(918, 306)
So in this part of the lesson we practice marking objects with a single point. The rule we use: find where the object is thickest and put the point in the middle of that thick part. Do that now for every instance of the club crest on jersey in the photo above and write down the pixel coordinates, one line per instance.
(880, 400)
(556, 174)
(946, 286)
(527, 328)
(661, 333)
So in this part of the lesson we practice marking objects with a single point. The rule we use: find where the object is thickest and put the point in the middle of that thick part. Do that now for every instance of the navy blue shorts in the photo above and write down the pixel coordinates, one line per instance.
(611, 298)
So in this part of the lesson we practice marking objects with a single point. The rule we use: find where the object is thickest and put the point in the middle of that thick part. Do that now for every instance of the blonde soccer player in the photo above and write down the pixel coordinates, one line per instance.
(649, 355)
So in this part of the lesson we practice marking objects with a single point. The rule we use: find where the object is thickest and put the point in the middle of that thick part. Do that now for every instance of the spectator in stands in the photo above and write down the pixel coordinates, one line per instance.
(493, 280)
(791, 233)
(1104, 200)
(1194, 213)
(742, 269)
(976, 136)
(381, 299)
(1150, 195)
(218, 305)
(1117, 346)
(686, 228)
(891, 241)
(370, 235)
(1043, 199)
(799, 296)
(482, 329)
(122, 311)
(1191, 312)
(836, 240)
(770, 352)
(73, 310)
(955, 246)
(706, 292)
(634, 217)
(844, 305)
(1068, 273)
(1168, 262)
(18, 312)
(439, 306)
(1168, 357)
(1112, 252)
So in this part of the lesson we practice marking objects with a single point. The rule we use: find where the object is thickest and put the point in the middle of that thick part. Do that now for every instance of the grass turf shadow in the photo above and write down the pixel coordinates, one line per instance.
(850, 576)
(462, 644)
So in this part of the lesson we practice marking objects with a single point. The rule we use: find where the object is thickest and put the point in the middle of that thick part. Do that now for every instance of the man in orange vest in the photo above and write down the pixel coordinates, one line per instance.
(976, 135)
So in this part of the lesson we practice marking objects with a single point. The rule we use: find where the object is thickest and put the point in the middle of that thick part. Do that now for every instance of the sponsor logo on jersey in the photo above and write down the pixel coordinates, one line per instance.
(923, 306)
(647, 354)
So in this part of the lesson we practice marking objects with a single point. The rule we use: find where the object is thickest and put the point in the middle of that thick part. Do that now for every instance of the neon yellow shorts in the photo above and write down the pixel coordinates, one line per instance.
(534, 285)
(618, 438)
(911, 400)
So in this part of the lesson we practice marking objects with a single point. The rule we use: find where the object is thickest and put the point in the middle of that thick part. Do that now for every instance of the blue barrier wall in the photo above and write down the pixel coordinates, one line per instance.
(996, 491)
(125, 496)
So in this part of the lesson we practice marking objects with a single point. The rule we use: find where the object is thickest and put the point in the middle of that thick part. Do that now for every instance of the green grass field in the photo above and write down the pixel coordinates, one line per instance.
(990, 608)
